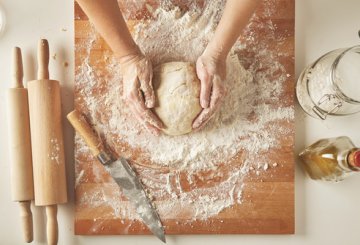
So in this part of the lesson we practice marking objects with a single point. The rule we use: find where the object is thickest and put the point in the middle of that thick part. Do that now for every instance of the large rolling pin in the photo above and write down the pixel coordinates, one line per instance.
(20, 146)
(47, 142)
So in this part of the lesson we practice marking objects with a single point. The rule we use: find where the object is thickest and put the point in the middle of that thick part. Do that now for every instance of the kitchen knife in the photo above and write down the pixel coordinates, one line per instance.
(122, 173)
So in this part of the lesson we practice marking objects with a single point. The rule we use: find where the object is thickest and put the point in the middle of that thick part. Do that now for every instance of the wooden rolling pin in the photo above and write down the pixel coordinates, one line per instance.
(47, 142)
(20, 146)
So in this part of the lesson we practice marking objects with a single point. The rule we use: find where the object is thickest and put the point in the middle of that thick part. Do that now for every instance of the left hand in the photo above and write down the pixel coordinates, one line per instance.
(136, 70)
(211, 70)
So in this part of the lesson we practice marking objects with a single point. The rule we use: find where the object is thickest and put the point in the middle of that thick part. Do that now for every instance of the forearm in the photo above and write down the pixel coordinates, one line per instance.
(108, 21)
(234, 19)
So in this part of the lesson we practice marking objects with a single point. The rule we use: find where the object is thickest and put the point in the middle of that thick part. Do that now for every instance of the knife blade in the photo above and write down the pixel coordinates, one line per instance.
(122, 173)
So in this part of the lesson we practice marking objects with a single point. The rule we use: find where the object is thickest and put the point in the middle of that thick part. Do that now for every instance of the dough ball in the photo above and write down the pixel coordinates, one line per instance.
(177, 91)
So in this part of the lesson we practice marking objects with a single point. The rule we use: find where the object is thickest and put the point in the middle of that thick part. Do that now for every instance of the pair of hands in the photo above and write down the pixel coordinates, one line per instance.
(139, 93)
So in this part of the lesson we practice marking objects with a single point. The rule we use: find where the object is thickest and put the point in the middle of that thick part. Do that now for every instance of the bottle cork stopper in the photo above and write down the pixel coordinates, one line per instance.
(354, 158)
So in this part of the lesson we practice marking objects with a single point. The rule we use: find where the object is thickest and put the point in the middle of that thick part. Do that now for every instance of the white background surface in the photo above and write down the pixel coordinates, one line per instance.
(326, 213)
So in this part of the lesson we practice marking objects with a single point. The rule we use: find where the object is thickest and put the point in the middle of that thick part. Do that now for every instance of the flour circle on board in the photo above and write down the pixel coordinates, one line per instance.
(177, 91)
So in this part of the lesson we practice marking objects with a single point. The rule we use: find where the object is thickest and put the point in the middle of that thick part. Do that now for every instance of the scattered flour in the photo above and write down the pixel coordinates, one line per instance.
(238, 134)
(54, 155)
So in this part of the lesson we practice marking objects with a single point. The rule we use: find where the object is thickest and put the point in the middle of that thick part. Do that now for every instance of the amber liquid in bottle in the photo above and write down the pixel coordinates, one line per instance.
(331, 159)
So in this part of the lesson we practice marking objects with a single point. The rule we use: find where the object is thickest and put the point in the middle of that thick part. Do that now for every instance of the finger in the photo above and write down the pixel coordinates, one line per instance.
(205, 91)
(150, 128)
(145, 113)
(153, 130)
(201, 124)
(145, 77)
(130, 85)
(151, 118)
(202, 118)
(216, 99)
(135, 98)
(206, 85)
(147, 88)
(218, 92)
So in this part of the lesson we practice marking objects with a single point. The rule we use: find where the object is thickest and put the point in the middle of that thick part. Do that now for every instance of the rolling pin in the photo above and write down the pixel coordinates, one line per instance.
(47, 142)
(20, 146)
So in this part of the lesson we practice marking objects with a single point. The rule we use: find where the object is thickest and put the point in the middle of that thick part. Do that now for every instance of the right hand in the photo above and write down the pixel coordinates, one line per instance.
(136, 70)
(211, 70)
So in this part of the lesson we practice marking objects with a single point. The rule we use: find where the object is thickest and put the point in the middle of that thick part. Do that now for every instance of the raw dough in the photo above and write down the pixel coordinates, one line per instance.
(177, 91)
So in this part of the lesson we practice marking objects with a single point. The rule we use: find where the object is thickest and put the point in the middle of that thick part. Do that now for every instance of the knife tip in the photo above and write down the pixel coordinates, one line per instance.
(162, 238)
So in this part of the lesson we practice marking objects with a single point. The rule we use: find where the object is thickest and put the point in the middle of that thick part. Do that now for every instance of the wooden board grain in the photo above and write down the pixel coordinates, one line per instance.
(268, 199)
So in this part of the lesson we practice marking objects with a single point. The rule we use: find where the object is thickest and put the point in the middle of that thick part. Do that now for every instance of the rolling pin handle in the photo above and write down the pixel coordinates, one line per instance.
(51, 225)
(17, 69)
(43, 59)
(27, 221)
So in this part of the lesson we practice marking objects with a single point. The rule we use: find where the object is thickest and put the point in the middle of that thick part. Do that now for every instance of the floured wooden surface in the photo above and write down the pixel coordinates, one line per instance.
(237, 176)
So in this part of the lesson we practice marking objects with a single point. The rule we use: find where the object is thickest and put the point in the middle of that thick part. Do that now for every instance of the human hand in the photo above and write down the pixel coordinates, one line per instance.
(138, 91)
(211, 70)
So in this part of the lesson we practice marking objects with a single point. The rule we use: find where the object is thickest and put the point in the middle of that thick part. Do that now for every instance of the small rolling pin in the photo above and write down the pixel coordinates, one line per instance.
(20, 146)
(47, 142)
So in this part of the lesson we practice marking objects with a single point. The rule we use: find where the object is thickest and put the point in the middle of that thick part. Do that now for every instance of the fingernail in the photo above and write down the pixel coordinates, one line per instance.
(152, 131)
(161, 126)
(204, 104)
(157, 124)
(149, 104)
(196, 125)
(156, 132)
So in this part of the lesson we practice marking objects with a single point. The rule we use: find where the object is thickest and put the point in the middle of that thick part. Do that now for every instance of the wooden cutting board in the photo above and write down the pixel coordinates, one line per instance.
(267, 205)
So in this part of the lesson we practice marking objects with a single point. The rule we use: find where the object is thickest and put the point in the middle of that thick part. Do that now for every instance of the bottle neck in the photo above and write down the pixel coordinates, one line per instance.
(353, 159)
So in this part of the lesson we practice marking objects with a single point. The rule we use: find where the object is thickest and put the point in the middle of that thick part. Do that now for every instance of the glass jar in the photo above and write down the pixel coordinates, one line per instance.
(331, 85)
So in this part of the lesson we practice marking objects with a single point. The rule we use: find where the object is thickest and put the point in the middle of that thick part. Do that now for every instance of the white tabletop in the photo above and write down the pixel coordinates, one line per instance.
(326, 213)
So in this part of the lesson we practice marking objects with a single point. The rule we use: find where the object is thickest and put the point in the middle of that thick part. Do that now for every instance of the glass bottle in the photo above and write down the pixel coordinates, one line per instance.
(331, 159)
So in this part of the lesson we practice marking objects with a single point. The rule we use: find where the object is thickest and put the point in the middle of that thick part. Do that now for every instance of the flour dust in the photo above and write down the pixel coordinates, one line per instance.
(198, 175)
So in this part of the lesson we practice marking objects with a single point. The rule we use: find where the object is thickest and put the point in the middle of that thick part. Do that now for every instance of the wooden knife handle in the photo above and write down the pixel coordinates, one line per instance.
(43, 59)
(27, 221)
(51, 225)
(17, 69)
(86, 132)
